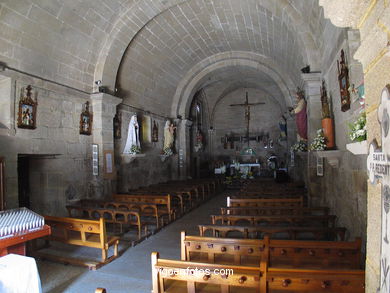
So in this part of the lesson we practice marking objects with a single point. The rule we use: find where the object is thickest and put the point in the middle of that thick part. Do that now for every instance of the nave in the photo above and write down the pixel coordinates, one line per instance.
(131, 272)
(279, 208)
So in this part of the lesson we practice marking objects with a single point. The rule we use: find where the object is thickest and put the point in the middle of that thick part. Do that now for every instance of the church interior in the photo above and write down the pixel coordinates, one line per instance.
(146, 145)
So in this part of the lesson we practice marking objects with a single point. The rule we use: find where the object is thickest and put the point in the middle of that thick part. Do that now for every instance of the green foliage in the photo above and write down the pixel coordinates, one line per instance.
(358, 130)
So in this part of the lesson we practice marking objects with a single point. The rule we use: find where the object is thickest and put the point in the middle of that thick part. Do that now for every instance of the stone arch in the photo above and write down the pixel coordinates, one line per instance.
(194, 77)
(118, 39)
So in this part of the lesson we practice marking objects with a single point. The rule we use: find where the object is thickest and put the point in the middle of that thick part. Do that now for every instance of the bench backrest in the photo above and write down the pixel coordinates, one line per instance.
(254, 211)
(286, 253)
(163, 199)
(166, 273)
(325, 221)
(288, 232)
(251, 202)
(62, 226)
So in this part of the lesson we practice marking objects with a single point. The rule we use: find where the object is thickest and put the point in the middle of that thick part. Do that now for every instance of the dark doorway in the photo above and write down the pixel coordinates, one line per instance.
(24, 180)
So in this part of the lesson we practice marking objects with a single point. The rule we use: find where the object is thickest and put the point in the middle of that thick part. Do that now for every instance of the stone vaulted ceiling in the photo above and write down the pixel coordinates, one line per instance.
(159, 52)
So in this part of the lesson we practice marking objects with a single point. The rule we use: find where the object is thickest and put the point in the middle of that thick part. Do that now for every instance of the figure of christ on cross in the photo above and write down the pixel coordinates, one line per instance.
(247, 106)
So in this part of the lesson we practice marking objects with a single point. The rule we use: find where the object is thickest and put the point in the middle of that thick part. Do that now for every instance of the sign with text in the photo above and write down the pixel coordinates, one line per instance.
(378, 168)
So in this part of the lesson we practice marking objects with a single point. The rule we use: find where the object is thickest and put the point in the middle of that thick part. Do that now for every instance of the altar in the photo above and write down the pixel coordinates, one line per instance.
(245, 168)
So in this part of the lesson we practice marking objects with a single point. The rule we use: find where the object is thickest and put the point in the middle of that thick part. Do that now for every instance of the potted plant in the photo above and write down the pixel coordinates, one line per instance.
(319, 142)
(327, 121)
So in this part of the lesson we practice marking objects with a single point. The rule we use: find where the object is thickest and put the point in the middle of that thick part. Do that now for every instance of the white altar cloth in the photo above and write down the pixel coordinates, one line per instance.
(19, 274)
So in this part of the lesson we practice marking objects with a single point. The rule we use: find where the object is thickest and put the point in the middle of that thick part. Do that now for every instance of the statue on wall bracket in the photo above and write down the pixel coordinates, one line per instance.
(27, 115)
(344, 83)
(86, 120)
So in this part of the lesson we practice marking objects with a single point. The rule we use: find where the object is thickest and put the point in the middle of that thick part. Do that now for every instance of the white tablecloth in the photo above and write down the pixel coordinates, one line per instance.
(19, 274)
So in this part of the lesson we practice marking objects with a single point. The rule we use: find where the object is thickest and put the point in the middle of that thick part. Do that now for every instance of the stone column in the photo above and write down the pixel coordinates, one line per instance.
(104, 109)
(311, 86)
(211, 143)
(184, 148)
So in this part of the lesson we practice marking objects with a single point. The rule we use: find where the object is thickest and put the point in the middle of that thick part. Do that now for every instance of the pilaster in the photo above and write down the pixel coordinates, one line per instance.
(312, 83)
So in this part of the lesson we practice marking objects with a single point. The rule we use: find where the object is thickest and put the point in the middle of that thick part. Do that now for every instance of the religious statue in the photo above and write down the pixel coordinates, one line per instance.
(199, 141)
(300, 113)
(133, 144)
(155, 132)
(283, 128)
(169, 132)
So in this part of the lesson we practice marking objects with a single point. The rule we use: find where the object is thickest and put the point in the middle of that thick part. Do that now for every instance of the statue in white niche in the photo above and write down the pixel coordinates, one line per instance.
(132, 144)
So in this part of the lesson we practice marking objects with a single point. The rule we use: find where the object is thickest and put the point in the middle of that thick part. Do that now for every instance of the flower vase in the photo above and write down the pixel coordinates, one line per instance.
(327, 126)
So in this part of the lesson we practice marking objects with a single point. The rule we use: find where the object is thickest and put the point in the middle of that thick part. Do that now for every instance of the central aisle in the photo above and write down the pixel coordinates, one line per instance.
(131, 272)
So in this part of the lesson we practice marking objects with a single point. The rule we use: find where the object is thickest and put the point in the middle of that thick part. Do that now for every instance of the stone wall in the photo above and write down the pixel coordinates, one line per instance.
(60, 164)
(148, 167)
(346, 180)
(263, 119)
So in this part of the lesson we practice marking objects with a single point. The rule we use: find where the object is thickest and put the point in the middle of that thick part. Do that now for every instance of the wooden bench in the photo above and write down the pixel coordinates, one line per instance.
(261, 202)
(273, 211)
(163, 201)
(82, 232)
(119, 217)
(310, 280)
(278, 253)
(184, 276)
(185, 199)
(144, 209)
(291, 232)
(297, 220)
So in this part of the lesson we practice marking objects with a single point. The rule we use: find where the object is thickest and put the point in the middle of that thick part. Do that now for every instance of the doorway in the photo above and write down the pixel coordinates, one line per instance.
(24, 181)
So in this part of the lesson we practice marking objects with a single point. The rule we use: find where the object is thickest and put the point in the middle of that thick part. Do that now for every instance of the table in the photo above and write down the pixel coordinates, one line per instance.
(19, 274)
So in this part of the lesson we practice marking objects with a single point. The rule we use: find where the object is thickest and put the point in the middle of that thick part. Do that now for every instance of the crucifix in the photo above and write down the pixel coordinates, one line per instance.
(247, 106)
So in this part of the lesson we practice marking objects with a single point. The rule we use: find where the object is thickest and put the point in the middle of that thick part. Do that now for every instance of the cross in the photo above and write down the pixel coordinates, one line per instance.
(247, 113)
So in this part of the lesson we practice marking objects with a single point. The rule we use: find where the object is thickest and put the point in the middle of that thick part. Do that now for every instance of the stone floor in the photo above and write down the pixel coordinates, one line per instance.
(131, 272)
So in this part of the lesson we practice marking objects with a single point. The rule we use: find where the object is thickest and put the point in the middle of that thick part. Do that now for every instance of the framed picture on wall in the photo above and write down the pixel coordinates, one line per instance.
(95, 159)
(344, 83)
(320, 166)
(86, 120)
(27, 115)
(108, 164)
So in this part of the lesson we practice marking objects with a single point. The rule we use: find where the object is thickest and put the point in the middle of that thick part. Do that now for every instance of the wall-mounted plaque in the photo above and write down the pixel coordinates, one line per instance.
(378, 167)
(95, 159)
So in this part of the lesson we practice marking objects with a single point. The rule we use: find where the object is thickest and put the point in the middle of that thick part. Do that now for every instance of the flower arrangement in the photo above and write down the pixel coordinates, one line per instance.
(135, 149)
(358, 129)
(319, 142)
(167, 152)
(300, 146)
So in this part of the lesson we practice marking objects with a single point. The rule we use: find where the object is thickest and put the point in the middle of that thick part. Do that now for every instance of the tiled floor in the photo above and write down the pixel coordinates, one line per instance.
(131, 272)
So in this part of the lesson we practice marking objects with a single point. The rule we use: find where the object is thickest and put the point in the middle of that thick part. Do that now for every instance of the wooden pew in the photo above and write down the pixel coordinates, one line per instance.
(278, 253)
(317, 233)
(313, 281)
(182, 276)
(273, 211)
(119, 217)
(297, 220)
(191, 277)
(144, 209)
(164, 201)
(82, 232)
(261, 202)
